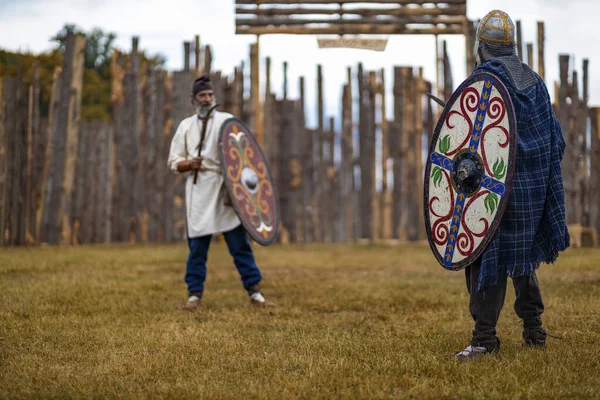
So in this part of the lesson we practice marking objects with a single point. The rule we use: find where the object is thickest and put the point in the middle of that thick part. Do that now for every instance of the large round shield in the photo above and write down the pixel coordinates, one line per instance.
(469, 172)
(249, 181)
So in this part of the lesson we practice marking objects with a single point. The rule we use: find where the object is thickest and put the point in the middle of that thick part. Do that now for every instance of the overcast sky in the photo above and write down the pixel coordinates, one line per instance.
(164, 24)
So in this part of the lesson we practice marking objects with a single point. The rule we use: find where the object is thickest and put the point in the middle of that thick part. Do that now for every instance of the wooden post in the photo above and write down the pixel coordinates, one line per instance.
(197, 55)
(470, 44)
(268, 77)
(244, 109)
(118, 99)
(179, 92)
(563, 116)
(286, 125)
(396, 152)
(347, 162)
(386, 198)
(367, 154)
(438, 69)
(272, 128)
(3, 165)
(129, 171)
(320, 169)
(80, 189)
(530, 56)
(256, 124)
(236, 106)
(375, 127)
(576, 136)
(296, 167)
(91, 202)
(408, 230)
(139, 230)
(106, 176)
(14, 120)
(186, 56)
(582, 120)
(331, 192)
(207, 60)
(540, 47)
(63, 143)
(307, 169)
(594, 192)
(49, 203)
(575, 167)
(291, 149)
(270, 148)
(430, 124)
(301, 90)
(519, 41)
(585, 98)
(285, 80)
(153, 172)
(73, 92)
(165, 232)
(28, 167)
(35, 165)
(417, 150)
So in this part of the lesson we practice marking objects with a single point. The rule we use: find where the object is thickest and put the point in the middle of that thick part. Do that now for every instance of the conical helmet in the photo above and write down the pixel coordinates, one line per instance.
(497, 28)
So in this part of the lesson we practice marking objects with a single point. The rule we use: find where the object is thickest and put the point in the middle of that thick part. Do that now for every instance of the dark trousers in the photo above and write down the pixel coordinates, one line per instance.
(485, 305)
(239, 248)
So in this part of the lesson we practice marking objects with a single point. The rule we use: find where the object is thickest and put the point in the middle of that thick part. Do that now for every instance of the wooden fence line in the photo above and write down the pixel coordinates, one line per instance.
(71, 182)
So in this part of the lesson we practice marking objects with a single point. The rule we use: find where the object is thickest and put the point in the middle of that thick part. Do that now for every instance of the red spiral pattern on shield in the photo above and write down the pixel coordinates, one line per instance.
(257, 208)
(440, 230)
(496, 110)
(465, 239)
(469, 101)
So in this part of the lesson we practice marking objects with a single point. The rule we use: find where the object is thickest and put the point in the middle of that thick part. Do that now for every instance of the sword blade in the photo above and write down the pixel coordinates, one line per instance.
(440, 102)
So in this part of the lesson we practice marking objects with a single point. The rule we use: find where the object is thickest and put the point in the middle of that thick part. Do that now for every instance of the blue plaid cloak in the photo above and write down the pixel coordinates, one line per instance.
(533, 228)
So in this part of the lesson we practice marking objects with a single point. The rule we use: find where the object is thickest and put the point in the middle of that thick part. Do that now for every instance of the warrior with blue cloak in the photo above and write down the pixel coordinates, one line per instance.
(533, 227)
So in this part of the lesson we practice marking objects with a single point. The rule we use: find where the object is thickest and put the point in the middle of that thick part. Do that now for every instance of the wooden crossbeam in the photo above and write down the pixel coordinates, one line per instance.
(265, 21)
(351, 29)
(323, 17)
(460, 9)
(299, 2)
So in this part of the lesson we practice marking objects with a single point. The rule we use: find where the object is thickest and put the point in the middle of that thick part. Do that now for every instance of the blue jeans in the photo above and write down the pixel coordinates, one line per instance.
(239, 248)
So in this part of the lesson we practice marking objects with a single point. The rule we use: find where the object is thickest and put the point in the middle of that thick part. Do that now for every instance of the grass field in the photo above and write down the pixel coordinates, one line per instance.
(351, 322)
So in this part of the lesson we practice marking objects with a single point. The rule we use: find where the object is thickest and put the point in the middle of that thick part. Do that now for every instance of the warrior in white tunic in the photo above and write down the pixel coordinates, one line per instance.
(205, 197)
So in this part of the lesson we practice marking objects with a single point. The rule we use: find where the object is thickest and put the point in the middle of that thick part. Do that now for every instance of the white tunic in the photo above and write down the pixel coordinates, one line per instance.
(206, 212)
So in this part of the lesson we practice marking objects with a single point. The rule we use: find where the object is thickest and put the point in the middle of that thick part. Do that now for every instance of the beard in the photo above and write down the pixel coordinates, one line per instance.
(203, 108)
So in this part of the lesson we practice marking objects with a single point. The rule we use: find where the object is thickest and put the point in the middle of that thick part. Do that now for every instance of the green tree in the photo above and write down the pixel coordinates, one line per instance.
(96, 94)
(99, 45)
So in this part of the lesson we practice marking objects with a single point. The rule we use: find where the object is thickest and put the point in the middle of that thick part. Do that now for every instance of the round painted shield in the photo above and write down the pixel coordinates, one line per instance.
(469, 172)
(249, 181)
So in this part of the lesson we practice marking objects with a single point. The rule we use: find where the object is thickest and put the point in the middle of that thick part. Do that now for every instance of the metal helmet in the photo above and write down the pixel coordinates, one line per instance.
(497, 28)
(495, 40)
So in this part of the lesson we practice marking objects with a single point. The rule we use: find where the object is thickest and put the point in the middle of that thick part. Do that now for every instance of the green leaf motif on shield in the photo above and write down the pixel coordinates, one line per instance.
(445, 144)
(436, 175)
(499, 169)
(491, 202)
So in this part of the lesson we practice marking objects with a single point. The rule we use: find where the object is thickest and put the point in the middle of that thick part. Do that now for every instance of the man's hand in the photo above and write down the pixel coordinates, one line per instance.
(190, 165)
(195, 163)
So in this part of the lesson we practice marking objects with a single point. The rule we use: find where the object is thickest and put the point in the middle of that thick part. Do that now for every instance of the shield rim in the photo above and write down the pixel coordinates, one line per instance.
(509, 177)
(246, 225)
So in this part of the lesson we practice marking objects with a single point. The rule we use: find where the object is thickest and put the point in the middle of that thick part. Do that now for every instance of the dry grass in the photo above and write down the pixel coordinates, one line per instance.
(352, 322)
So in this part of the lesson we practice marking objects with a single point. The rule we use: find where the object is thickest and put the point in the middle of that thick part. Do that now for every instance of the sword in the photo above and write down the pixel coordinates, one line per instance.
(439, 101)
(203, 135)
